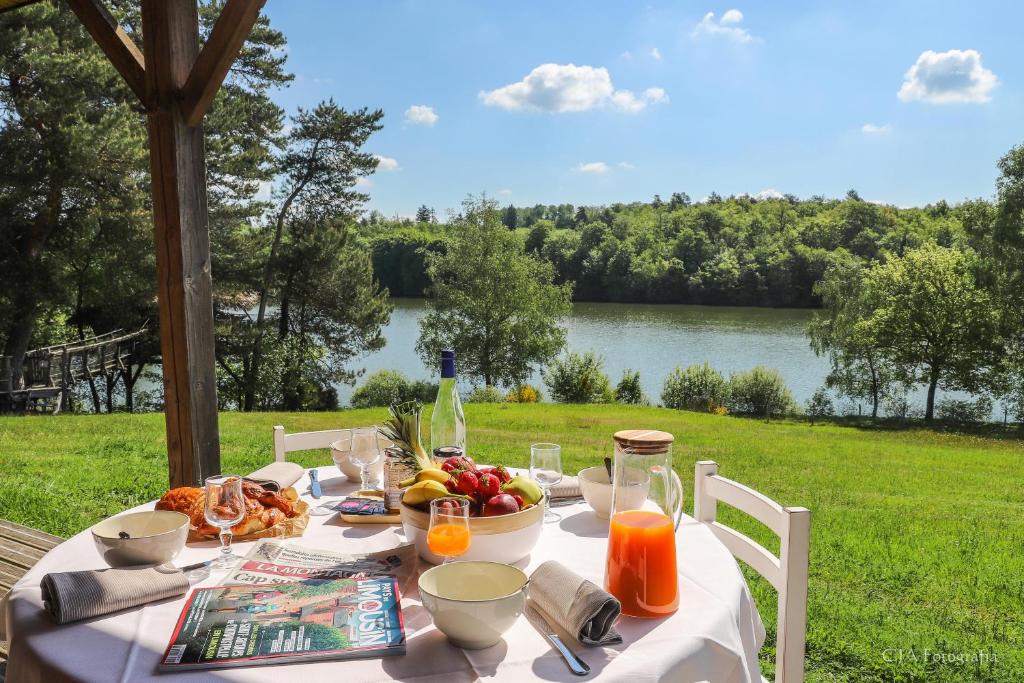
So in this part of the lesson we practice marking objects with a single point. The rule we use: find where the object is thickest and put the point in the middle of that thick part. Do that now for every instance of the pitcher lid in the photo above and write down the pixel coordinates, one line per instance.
(648, 440)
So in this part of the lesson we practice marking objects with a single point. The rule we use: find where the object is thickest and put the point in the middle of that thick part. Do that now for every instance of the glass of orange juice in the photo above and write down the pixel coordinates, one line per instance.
(449, 535)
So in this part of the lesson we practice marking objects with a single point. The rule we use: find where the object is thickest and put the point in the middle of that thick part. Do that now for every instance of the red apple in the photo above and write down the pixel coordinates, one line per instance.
(501, 504)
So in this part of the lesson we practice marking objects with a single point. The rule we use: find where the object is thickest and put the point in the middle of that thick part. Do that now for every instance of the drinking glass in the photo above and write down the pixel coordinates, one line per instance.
(365, 453)
(546, 470)
(225, 507)
(449, 535)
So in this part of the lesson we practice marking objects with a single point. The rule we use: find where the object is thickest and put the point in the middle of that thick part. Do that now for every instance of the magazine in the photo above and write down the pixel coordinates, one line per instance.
(302, 621)
(277, 562)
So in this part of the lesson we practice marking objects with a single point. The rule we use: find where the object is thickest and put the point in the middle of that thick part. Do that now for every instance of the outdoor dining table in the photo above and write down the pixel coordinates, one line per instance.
(714, 636)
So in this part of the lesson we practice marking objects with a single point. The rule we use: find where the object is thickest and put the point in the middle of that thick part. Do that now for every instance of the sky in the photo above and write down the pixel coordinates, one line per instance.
(599, 102)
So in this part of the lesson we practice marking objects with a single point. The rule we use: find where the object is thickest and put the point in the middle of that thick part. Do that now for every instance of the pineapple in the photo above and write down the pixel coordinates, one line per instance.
(403, 429)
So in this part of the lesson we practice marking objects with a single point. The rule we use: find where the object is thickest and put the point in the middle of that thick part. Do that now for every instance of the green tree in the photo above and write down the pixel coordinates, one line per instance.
(578, 378)
(859, 368)
(424, 214)
(932, 320)
(510, 218)
(491, 302)
(321, 160)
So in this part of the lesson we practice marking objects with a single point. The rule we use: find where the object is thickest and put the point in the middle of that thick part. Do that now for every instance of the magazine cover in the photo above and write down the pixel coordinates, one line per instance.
(309, 620)
(275, 562)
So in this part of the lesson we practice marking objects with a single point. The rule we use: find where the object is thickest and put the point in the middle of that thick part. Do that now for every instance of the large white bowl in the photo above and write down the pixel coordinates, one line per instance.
(505, 538)
(473, 603)
(154, 537)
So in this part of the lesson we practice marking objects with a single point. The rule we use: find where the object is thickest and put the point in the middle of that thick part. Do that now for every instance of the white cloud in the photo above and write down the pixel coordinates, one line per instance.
(386, 163)
(948, 77)
(362, 181)
(504, 192)
(726, 27)
(769, 193)
(732, 16)
(626, 165)
(655, 54)
(627, 55)
(565, 88)
(592, 167)
(656, 95)
(420, 115)
(876, 129)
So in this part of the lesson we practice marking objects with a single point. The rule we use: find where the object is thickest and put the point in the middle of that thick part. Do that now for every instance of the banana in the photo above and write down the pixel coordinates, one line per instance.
(430, 474)
(421, 493)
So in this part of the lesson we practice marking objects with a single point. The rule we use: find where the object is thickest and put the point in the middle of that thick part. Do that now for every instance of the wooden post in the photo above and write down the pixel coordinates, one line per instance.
(184, 287)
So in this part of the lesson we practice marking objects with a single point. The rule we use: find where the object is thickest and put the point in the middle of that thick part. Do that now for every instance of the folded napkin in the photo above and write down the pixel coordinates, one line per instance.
(71, 596)
(277, 475)
(575, 604)
(568, 487)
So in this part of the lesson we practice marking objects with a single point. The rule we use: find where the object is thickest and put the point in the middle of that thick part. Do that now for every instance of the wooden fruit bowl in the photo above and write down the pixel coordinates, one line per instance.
(504, 538)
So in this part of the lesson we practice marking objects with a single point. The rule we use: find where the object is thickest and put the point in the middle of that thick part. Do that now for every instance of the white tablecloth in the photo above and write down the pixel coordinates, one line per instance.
(714, 636)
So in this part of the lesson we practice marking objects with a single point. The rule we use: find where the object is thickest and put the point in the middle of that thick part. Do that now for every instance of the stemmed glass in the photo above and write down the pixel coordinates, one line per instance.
(546, 470)
(225, 507)
(365, 453)
(449, 535)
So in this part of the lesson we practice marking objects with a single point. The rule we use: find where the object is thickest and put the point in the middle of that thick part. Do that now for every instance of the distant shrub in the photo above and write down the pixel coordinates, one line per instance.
(629, 390)
(820, 404)
(385, 387)
(896, 403)
(760, 391)
(965, 412)
(524, 393)
(698, 387)
(485, 394)
(578, 378)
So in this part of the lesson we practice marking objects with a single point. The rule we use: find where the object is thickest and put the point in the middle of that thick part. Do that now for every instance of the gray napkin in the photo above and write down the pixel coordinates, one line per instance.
(277, 475)
(72, 596)
(577, 605)
(568, 487)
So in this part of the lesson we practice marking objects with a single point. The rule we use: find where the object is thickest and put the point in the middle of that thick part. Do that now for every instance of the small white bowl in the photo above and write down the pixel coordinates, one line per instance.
(473, 603)
(154, 537)
(339, 454)
(597, 491)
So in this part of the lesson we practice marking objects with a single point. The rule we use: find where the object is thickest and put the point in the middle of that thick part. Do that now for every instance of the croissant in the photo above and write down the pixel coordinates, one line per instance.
(263, 509)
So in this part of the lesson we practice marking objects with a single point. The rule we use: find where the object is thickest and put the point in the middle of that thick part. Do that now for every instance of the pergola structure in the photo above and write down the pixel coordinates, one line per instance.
(176, 83)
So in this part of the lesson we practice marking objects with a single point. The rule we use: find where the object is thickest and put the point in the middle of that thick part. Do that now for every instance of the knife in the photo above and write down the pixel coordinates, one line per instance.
(314, 484)
(576, 665)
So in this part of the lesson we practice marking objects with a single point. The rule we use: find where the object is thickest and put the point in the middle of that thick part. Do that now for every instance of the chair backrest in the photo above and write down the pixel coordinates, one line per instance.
(305, 441)
(787, 572)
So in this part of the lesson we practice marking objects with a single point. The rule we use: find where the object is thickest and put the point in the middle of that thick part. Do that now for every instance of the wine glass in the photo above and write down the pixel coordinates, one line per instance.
(224, 508)
(449, 535)
(365, 453)
(546, 470)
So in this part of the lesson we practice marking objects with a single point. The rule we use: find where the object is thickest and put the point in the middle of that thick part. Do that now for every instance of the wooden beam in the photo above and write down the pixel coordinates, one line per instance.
(226, 39)
(184, 287)
(119, 47)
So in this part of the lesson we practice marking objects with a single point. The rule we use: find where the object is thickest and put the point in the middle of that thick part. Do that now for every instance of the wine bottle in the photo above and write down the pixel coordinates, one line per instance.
(448, 423)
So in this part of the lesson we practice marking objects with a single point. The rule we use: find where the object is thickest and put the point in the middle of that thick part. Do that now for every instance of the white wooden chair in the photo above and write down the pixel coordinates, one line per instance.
(787, 572)
(285, 443)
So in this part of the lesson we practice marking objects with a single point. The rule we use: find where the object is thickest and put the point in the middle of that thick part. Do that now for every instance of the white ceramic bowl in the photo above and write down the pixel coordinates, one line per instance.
(473, 603)
(339, 453)
(505, 538)
(597, 490)
(154, 537)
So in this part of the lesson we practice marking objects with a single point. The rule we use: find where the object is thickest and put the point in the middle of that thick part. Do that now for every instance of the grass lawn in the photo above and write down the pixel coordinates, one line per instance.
(917, 550)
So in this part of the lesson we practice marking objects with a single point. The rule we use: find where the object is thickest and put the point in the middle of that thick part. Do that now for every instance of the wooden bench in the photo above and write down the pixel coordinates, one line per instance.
(20, 548)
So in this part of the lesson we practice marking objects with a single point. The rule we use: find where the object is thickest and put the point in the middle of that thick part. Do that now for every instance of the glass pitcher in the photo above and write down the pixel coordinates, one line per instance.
(647, 504)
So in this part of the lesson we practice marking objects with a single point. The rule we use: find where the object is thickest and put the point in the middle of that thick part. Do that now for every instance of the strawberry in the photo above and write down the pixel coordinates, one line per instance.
(450, 485)
(449, 466)
(518, 499)
(490, 485)
(467, 483)
(504, 475)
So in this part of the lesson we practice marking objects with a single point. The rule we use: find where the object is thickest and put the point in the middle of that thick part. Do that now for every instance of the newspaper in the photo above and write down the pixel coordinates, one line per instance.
(272, 561)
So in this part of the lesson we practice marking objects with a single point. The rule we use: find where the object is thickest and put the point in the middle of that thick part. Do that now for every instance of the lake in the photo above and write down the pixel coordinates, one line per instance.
(650, 338)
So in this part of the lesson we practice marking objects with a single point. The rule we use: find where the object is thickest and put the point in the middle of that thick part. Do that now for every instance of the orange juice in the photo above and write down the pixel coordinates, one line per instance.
(448, 540)
(641, 570)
